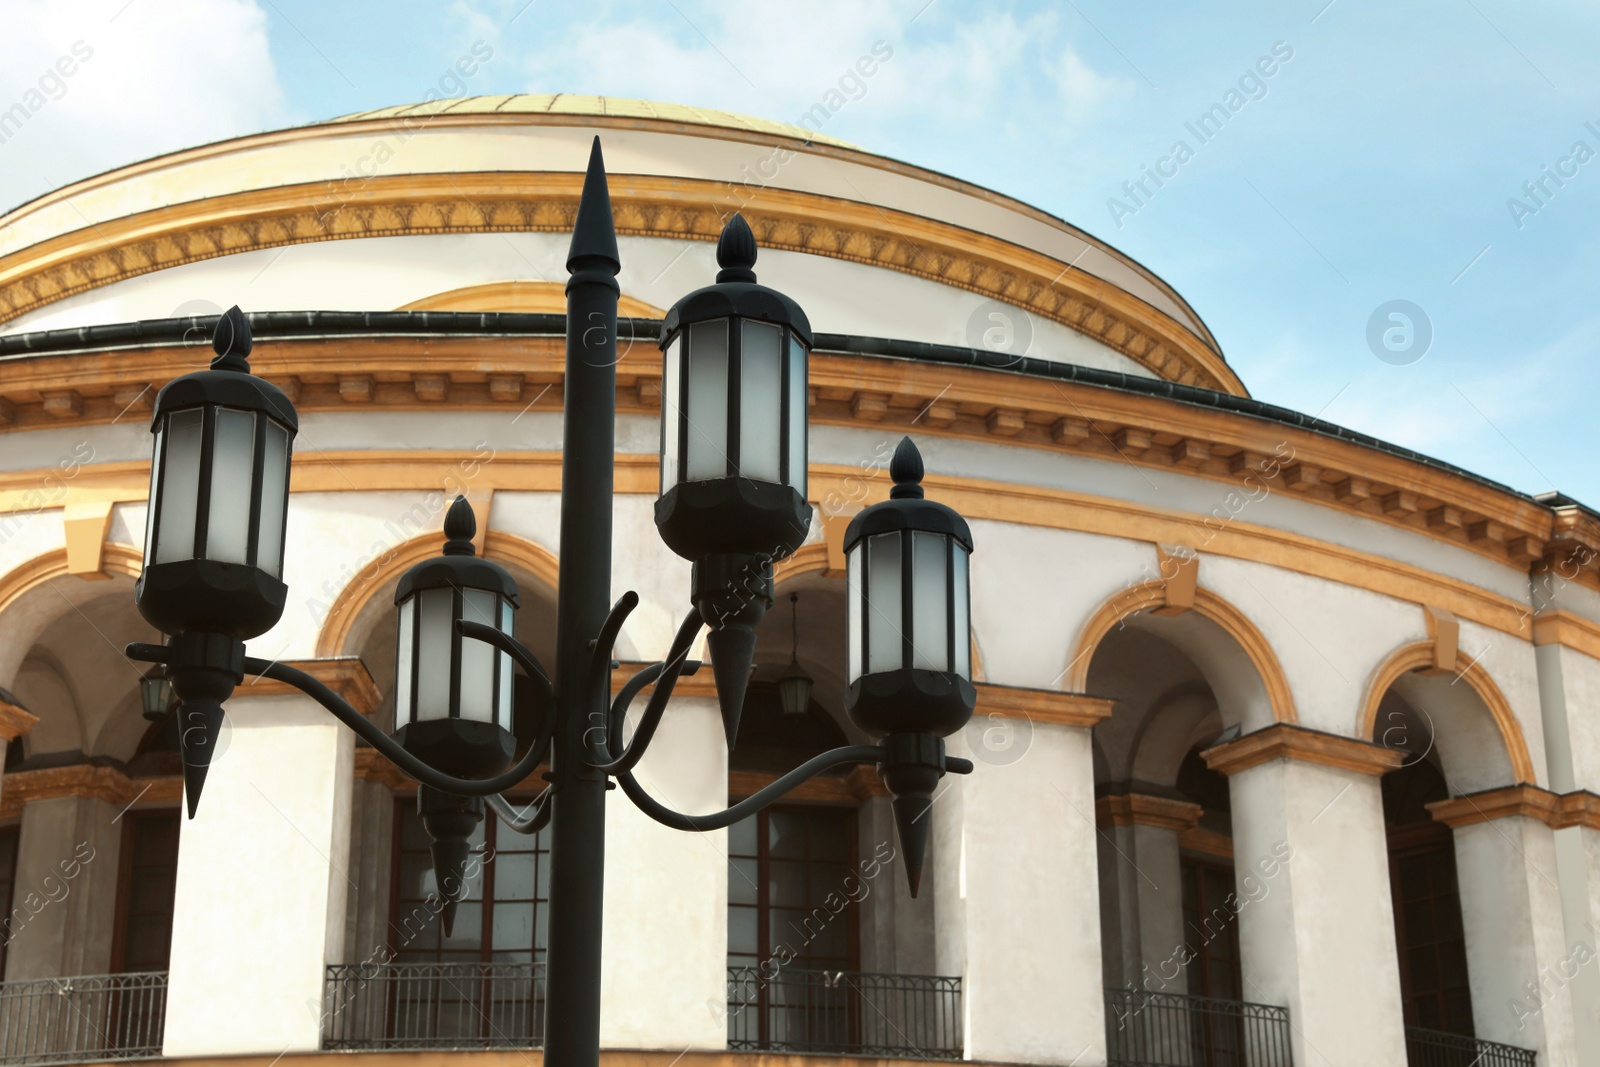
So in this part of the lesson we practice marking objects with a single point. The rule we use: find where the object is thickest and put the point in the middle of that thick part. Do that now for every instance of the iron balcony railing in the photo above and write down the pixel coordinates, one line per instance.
(89, 1018)
(1145, 1029)
(1430, 1048)
(430, 1006)
(889, 1015)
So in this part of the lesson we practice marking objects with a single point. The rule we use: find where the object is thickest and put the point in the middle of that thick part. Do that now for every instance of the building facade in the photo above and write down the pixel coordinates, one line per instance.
(1287, 743)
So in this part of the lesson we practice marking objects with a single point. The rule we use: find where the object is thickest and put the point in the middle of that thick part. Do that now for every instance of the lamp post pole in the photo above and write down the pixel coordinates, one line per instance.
(583, 600)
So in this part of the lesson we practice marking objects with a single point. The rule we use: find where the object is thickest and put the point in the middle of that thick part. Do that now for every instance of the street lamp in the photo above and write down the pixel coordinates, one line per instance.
(794, 685)
(732, 502)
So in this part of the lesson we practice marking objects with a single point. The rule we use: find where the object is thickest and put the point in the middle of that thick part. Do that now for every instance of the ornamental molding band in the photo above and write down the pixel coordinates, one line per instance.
(1513, 800)
(1283, 741)
(84, 780)
(1251, 456)
(345, 675)
(1421, 657)
(644, 206)
(118, 559)
(1042, 705)
(15, 720)
(378, 470)
(1142, 809)
(851, 789)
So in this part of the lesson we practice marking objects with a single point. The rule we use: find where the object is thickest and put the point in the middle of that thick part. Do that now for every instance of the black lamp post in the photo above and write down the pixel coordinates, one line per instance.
(732, 501)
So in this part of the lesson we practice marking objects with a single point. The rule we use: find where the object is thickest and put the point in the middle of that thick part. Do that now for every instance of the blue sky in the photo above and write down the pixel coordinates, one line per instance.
(1376, 163)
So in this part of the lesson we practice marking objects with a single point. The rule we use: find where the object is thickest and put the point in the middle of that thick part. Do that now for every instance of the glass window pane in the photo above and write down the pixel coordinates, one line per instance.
(960, 618)
(798, 415)
(761, 401)
(513, 873)
(180, 486)
(743, 837)
(150, 501)
(708, 400)
(402, 662)
(435, 634)
(930, 602)
(786, 882)
(786, 834)
(670, 371)
(742, 885)
(742, 930)
(512, 925)
(853, 633)
(884, 627)
(274, 499)
(477, 657)
(232, 474)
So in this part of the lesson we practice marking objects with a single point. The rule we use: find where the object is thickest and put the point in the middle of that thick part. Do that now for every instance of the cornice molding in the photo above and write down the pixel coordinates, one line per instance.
(1142, 809)
(1042, 705)
(1283, 741)
(1567, 630)
(345, 675)
(21, 788)
(1525, 800)
(1207, 843)
(1249, 455)
(1581, 808)
(644, 206)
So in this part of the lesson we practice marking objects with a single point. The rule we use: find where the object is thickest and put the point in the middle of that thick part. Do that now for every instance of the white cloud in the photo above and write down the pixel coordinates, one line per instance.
(147, 77)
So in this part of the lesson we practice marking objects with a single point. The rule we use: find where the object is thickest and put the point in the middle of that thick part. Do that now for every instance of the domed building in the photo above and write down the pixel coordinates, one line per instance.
(1280, 748)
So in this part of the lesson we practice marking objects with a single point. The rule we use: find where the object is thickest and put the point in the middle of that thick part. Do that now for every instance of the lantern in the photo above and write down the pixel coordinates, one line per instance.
(452, 693)
(219, 490)
(794, 685)
(155, 693)
(733, 414)
(910, 645)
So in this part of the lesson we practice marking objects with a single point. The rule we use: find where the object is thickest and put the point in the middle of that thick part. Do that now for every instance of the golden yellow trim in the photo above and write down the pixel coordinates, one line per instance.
(1568, 630)
(1208, 604)
(815, 558)
(531, 297)
(345, 675)
(1042, 705)
(1581, 808)
(644, 205)
(401, 470)
(1283, 741)
(85, 525)
(1420, 657)
(82, 780)
(1141, 809)
(1504, 803)
(117, 559)
(502, 547)
(1444, 630)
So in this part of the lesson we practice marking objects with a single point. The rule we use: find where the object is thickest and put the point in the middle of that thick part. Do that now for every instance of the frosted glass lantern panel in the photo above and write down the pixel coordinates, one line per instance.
(274, 498)
(180, 485)
(930, 601)
(708, 401)
(477, 687)
(885, 627)
(671, 402)
(960, 618)
(508, 626)
(761, 402)
(854, 634)
(796, 474)
(435, 635)
(404, 650)
(232, 476)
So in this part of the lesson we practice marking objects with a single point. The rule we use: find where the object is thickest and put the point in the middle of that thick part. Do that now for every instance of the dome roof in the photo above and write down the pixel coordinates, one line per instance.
(576, 104)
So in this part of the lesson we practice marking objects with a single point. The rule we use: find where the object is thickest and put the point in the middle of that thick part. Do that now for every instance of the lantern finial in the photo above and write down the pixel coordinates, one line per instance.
(736, 251)
(594, 235)
(906, 470)
(460, 527)
(230, 340)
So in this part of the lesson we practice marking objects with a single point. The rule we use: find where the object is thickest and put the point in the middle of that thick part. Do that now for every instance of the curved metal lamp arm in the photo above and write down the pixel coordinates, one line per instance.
(373, 735)
(812, 767)
(523, 823)
(666, 676)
